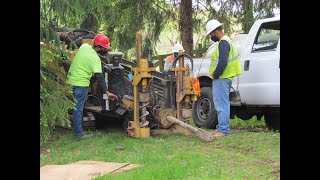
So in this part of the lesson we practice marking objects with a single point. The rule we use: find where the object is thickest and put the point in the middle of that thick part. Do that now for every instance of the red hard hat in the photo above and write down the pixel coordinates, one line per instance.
(102, 40)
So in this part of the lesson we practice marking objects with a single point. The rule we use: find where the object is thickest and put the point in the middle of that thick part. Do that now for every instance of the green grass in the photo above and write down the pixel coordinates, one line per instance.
(242, 155)
(251, 123)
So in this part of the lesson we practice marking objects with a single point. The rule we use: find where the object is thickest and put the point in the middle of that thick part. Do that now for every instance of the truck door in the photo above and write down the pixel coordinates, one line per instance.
(260, 79)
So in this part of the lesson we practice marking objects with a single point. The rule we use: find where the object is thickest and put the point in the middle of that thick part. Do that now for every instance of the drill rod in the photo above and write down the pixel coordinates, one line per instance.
(202, 134)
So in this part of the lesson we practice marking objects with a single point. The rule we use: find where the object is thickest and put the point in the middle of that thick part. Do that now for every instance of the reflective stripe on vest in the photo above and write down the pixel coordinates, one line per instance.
(229, 60)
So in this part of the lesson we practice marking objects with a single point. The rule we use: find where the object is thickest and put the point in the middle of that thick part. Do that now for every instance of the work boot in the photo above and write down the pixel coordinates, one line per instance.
(218, 134)
(84, 136)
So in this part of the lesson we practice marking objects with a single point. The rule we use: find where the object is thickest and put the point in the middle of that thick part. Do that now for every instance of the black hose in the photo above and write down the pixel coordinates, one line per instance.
(180, 55)
(53, 76)
(81, 30)
(171, 82)
(172, 87)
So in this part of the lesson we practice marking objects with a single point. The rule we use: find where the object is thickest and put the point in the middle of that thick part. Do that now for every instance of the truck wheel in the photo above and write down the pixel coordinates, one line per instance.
(272, 121)
(204, 113)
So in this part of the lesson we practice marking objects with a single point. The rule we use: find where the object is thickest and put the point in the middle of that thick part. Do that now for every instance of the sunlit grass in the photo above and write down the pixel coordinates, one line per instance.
(242, 155)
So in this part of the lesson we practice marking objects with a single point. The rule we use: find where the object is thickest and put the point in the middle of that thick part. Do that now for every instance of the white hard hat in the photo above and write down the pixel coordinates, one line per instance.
(212, 25)
(177, 47)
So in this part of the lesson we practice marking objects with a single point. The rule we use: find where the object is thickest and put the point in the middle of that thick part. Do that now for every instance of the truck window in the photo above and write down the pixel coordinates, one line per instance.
(268, 37)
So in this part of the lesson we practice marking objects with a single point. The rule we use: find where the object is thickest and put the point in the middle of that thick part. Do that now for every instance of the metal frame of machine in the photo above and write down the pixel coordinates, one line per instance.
(151, 103)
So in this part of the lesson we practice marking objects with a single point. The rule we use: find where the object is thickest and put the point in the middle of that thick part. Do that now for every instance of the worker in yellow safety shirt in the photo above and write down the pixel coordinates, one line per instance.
(224, 66)
(85, 64)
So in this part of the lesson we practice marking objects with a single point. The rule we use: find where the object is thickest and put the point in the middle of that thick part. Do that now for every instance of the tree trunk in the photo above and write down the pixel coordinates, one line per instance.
(186, 26)
(248, 18)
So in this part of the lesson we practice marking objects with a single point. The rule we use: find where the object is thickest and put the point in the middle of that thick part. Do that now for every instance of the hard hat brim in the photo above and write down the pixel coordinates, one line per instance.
(208, 33)
(107, 47)
(213, 29)
(104, 46)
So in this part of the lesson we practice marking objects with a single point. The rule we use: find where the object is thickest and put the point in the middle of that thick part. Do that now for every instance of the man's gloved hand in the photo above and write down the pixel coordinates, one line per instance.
(130, 76)
(166, 70)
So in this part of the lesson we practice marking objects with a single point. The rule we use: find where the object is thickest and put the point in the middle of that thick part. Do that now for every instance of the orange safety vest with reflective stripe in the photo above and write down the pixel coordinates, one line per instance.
(170, 58)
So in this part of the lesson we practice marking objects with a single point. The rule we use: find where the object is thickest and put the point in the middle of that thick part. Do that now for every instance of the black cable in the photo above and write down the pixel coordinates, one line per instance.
(172, 87)
(171, 81)
(180, 55)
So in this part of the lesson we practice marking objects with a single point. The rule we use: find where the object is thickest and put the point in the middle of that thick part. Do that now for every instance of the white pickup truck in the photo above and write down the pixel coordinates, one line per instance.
(259, 83)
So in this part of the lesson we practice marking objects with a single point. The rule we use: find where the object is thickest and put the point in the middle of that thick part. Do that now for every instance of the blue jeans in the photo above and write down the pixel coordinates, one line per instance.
(220, 93)
(80, 94)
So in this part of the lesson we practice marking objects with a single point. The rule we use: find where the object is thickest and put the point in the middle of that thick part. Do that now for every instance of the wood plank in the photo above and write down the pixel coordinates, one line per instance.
(81, 170)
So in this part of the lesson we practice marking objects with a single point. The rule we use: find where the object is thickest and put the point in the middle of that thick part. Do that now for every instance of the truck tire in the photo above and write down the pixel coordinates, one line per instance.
(204, 112)
(272, 121)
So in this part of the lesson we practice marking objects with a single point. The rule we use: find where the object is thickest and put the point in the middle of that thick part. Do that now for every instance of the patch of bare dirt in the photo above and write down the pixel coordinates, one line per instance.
(207, 150)
(243, 150)
(45, 150)
(248, 150)
(275, 165)
(265, 161)
(59, 133)
(250, 129)
(217, 145)
(268, 161)
(276, 171)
